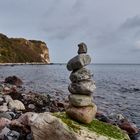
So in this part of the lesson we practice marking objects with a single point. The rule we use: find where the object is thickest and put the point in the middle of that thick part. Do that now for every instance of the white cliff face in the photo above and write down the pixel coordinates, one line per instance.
(45, 54)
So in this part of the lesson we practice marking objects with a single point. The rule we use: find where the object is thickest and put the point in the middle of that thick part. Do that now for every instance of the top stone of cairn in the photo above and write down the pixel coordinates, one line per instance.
(82, 48)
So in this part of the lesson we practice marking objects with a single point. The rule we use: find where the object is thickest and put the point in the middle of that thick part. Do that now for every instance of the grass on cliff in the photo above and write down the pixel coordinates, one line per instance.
(96, 126)
(19, 50)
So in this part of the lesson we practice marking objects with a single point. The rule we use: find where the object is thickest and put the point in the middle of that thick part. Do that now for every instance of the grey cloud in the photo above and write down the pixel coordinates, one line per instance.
(131, 23)
(109, 33)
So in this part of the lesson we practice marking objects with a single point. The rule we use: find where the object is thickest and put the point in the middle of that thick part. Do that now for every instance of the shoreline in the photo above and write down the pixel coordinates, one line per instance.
(15, 64)
(41, 63)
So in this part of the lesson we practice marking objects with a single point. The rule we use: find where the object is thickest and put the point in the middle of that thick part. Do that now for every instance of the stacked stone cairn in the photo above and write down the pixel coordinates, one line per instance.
(81, 107)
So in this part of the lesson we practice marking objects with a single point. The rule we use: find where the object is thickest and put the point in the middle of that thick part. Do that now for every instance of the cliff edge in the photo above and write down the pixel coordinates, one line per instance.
(20, 50)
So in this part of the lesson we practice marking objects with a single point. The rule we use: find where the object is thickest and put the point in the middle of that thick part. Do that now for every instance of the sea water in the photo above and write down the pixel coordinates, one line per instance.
(118, 86)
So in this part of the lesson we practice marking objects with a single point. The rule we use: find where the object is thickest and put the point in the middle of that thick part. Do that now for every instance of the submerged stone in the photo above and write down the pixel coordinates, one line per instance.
(78, 62)
(83, 88)
(80, 100)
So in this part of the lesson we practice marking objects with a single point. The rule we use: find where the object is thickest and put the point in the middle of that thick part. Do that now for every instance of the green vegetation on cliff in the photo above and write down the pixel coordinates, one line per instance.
(19, 50)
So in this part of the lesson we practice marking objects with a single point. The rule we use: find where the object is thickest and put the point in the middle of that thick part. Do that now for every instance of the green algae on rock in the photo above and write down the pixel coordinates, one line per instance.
(100, 129)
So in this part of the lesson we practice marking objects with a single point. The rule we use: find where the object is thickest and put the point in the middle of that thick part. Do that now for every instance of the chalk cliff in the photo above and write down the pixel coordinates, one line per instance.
(20, 50)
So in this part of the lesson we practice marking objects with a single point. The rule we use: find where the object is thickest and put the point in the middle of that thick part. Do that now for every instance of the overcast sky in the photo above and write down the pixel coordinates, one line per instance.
(110, 28)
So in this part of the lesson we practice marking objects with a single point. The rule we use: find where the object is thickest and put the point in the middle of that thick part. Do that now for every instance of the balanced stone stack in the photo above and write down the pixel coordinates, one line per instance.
(81, 107)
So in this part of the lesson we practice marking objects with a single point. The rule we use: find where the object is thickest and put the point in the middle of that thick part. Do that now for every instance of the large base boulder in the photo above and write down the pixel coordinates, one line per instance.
(59, 126)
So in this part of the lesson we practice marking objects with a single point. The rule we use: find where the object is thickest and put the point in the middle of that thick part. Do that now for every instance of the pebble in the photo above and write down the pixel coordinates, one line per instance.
(1, 99)
(4, 132)
(8, 98)
(4, 122)
(12, 135)
(5, 115)
(31, 106)
(3, 108)
(16, 104)
(135, 136)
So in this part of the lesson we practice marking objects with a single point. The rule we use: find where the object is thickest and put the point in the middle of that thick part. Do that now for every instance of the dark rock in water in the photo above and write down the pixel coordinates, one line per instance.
(102, 117)
(135, 136)
(127, 126)
(82, 48)
(80, 75)
(84, 87)
(78, 62)
(14, 80)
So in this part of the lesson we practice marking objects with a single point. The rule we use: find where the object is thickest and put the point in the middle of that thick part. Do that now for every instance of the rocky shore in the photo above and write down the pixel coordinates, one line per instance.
(27, 116)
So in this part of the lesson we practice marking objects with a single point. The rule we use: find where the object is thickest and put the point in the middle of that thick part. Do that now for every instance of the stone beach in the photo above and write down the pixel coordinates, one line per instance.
(29, 115)
(28, 111)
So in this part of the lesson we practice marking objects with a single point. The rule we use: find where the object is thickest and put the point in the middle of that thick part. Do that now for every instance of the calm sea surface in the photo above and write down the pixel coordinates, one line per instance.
(118, 86)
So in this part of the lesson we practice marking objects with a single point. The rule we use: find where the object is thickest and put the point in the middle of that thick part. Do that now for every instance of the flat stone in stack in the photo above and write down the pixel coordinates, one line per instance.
(80, 75)
(78, 62)
(84, 87)
(80, 100)
(82, 114)
(81, 107)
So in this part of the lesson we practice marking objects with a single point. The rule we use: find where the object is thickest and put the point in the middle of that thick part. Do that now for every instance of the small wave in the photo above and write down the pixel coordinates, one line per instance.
(129, 90)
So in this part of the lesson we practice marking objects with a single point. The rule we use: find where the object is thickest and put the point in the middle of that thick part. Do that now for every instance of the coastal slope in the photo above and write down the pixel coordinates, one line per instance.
(20, 50)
